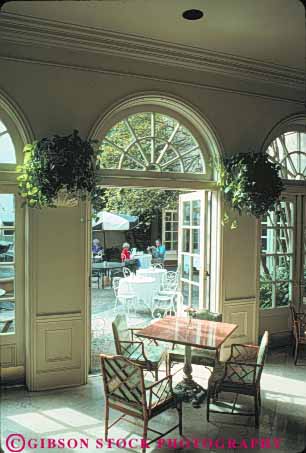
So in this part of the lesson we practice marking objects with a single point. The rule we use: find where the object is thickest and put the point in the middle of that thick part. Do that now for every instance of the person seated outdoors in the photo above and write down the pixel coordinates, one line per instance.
(97, 249)
(125, 253)
(158, 251)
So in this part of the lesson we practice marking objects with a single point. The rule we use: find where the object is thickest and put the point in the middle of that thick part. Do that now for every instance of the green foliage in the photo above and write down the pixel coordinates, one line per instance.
(281, 288)
(250, 183)
(145, 203)
(55, 164)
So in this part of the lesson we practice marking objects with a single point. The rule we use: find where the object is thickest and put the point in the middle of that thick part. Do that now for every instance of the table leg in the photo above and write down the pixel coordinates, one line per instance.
(188, 388)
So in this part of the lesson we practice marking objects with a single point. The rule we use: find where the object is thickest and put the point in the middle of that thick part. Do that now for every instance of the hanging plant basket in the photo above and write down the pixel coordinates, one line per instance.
(58, 172)
(250, 183)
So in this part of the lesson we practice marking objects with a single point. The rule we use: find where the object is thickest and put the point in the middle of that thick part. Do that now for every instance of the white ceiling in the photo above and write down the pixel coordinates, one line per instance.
(271, 31)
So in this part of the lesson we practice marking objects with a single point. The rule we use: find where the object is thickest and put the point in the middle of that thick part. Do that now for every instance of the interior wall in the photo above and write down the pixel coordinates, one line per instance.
(60, 91)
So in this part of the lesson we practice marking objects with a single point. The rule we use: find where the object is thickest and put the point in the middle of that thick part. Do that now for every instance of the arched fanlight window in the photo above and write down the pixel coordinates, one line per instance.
(151, 141)
(289, 151)
(7, 149)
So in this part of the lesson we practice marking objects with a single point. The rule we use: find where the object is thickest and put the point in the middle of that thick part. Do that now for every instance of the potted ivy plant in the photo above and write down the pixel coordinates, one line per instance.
(57, 171)
(251, 183)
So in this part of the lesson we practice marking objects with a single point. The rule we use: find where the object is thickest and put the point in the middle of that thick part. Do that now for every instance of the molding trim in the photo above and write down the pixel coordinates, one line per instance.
(28, 30)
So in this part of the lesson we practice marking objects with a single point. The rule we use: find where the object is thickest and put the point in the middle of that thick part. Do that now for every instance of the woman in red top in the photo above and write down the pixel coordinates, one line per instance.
(125, 253)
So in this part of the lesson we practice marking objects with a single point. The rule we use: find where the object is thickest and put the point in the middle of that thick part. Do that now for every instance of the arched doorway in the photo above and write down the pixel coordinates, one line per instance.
(13, 135)
(283, 232)
(156, 142)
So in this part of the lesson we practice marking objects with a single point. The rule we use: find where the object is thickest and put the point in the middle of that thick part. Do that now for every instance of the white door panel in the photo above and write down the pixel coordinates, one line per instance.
(191, 247)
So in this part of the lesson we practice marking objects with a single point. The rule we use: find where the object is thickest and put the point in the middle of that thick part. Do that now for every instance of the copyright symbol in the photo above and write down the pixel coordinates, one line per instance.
(15, 442)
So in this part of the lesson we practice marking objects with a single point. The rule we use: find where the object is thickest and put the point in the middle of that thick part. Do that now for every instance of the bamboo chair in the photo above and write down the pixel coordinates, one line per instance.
(127, 392)
(296, 316)
(149, 356)
(299, 334)
(241, 375)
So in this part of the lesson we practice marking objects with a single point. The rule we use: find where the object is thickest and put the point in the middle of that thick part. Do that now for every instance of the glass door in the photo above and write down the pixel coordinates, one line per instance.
(302, 274)
(191, 248)
(283, 262)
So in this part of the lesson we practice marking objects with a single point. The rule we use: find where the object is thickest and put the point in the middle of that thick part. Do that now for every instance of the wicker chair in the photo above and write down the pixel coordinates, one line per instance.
(205, 357)
(126, 391)
(299, 333)
(241, 375)
(149, 356)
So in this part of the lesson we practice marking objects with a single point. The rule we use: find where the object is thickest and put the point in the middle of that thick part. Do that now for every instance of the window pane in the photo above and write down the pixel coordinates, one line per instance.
(7, 316)
(195, 296)
(195, 276)
(7, 276)
(151, 141)
(186, 213)
(196, 211)
(185, 266)
(185, 292)
(289, 151)
(7, 149)
(283, 293)
(195, 241)
(265, 296)
(186, 240)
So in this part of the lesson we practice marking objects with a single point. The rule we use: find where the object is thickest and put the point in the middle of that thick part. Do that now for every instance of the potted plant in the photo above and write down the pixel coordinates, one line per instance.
(251, 183)
(57, 171)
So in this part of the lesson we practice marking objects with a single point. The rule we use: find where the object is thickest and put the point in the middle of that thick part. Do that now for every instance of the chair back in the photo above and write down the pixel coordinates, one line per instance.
(207, 315)
(121, 332)
(126, 272)
(297, 328)
(123, 382)
(116, 281)
(158, 266)
(262, 353)
(171, 281)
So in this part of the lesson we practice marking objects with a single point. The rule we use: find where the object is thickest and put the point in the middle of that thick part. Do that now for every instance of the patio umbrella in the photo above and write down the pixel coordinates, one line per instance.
(108, 221)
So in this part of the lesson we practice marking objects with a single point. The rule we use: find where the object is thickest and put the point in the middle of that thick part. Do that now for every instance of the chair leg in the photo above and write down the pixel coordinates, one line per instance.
(156, 374)
(259, 398)
(207, 405)
(293, 346)
(180, 414)
(256, 411)
(296, 353)
(106, 420)
(145, 434)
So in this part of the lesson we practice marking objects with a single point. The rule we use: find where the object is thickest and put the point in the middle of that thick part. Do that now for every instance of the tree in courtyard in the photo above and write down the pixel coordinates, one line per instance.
(144, 203)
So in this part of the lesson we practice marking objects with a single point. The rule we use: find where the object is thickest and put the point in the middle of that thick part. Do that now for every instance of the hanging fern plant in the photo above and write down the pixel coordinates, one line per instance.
(250, 183)
(56, 165)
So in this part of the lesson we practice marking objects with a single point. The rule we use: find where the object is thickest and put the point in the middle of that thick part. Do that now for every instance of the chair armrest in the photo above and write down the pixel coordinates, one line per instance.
(159, 392)
(166, 378)
(240, 373)
(243, 352)
(135, 349)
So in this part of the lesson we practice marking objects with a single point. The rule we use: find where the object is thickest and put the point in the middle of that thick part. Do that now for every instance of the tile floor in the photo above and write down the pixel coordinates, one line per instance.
(76, 413)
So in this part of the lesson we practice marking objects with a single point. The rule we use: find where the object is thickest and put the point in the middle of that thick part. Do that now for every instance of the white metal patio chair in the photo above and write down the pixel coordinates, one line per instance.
(129, 299)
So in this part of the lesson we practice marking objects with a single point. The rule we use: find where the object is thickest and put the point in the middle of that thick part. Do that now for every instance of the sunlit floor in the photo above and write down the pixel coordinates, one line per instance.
(77, 413)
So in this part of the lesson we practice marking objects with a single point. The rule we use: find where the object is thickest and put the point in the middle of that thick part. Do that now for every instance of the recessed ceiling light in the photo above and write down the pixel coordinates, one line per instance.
(193, 14)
